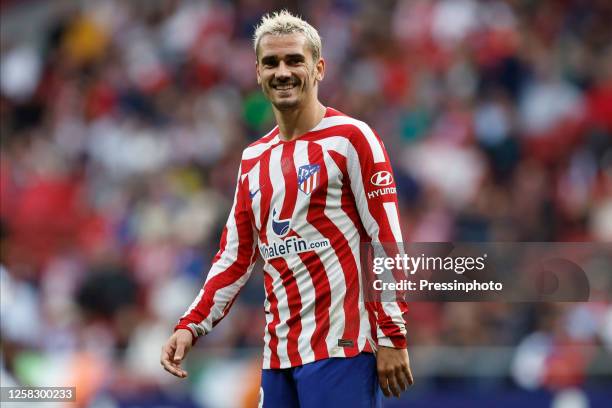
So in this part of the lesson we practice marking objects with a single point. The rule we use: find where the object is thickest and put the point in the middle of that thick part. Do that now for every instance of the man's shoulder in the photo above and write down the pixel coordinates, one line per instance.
(352, 128)
(265, 139)
(356, 133)
(259, 146)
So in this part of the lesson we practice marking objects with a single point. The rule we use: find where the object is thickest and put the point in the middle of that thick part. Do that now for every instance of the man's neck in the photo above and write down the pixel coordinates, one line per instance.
(295, 122)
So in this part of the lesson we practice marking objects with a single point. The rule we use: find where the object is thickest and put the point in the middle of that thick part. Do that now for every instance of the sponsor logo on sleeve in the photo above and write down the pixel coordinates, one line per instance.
(382, 179)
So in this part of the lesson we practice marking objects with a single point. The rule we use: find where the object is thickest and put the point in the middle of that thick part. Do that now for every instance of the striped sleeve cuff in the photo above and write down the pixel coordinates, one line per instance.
(393, 335)
(398, 342)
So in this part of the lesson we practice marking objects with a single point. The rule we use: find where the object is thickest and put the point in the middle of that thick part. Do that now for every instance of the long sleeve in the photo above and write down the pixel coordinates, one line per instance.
(374, 190)
(231, 268)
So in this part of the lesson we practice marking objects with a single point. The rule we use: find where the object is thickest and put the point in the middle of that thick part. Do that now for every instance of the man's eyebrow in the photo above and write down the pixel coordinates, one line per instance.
(295, 56)
(273, 58)
(268, 59)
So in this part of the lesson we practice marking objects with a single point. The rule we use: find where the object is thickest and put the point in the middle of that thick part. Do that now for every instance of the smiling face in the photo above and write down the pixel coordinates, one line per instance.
(286, 71)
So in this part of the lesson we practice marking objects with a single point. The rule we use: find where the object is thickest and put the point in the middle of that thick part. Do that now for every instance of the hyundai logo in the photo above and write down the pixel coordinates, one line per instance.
(381, 178)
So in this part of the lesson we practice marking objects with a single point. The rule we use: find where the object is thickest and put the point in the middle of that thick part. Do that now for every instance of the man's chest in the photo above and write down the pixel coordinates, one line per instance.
(294, 182)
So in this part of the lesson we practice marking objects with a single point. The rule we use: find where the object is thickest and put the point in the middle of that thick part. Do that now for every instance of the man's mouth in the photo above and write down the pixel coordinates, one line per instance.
(284, 87)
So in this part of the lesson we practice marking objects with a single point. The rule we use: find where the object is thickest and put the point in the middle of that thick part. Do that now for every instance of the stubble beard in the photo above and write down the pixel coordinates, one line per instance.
(284, 103)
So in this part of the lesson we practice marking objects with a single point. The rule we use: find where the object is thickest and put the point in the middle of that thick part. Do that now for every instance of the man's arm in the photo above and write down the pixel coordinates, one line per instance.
(374, 189)
(231, 268)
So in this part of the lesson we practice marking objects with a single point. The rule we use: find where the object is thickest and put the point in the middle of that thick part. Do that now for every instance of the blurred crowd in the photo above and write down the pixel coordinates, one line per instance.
(123, 123)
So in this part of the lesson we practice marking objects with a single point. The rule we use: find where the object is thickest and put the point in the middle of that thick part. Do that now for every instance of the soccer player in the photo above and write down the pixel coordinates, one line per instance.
(308, 193)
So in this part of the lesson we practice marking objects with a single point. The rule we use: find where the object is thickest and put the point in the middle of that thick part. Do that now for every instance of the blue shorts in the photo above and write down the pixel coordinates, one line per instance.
(333, 382)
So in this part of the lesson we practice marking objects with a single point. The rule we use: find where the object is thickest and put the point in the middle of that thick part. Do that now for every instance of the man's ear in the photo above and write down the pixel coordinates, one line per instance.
(320, 70)
(257, 73)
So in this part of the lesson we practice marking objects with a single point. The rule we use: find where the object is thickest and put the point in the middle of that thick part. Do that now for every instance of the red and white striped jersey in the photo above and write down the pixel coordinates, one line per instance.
(305, 206)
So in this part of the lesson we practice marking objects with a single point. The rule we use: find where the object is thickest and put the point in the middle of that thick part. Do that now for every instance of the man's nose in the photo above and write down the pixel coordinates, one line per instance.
(282, 72)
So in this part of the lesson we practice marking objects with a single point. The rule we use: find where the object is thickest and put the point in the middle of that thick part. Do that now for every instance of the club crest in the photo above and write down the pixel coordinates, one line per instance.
(308, 177)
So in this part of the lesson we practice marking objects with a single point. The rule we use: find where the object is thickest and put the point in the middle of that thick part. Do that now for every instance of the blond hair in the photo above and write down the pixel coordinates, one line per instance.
(283, 22)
